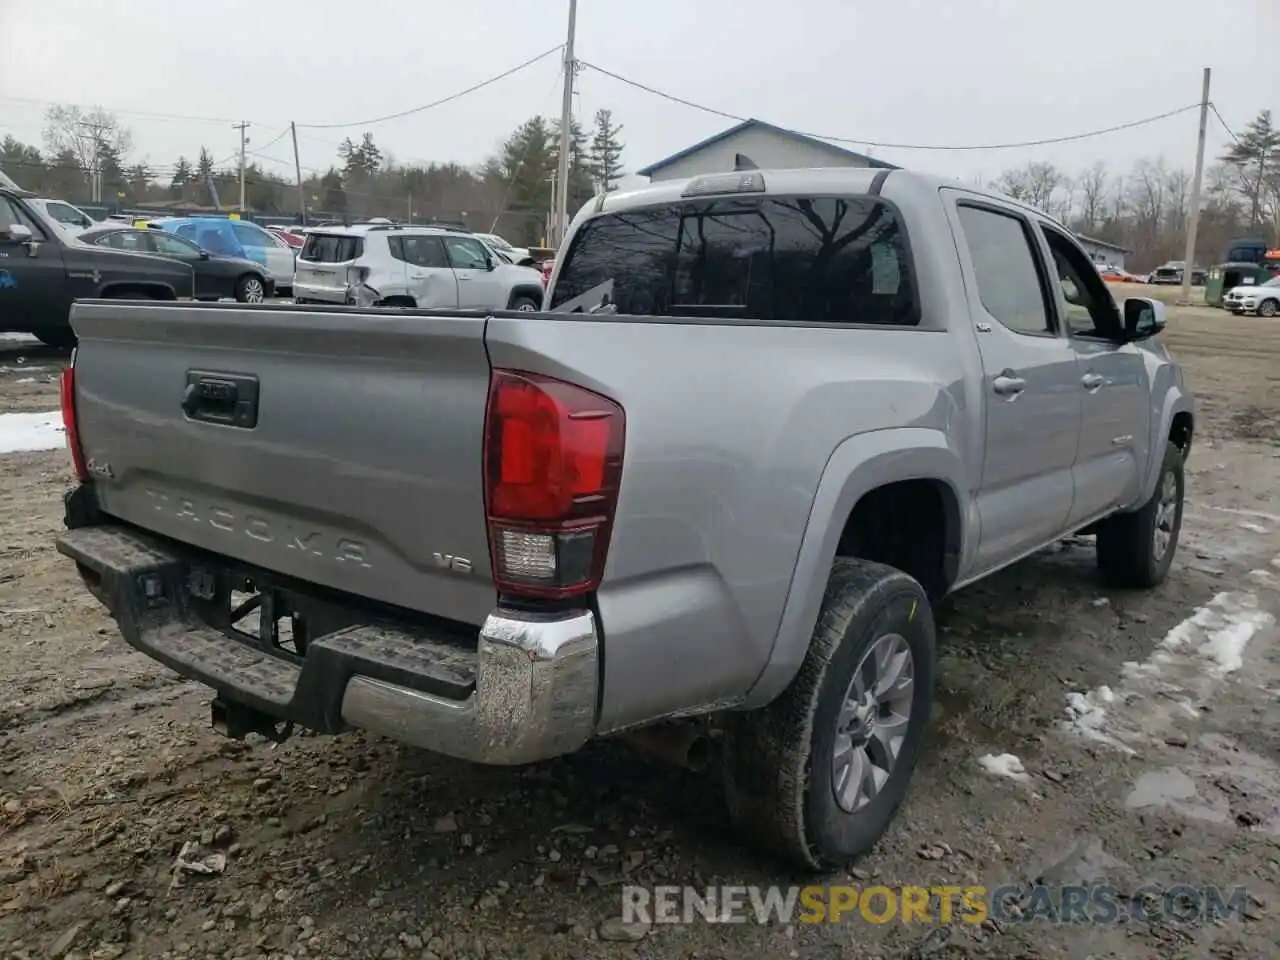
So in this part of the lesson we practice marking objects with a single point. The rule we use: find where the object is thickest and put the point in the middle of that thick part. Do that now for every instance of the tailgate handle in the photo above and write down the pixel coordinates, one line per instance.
(230, 399)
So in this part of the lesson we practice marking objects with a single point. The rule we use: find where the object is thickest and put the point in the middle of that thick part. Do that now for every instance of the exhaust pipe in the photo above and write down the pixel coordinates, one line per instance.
(682, 745)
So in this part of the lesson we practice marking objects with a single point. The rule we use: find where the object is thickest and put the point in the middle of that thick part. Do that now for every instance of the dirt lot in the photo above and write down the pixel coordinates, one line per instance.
(1150, 755)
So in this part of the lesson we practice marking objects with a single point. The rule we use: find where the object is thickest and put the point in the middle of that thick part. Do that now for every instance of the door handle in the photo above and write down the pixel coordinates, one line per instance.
(1007, 385)
(1092, 381)
(463, 276)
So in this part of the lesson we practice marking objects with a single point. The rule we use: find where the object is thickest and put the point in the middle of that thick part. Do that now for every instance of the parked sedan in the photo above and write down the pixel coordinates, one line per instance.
(216, 277)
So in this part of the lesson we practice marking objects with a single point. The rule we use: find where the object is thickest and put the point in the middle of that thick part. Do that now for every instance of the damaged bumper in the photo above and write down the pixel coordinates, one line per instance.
(527, 690)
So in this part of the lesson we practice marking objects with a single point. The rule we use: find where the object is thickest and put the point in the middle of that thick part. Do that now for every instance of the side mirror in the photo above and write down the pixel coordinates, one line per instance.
(204, 254)
(1143, 318)
(489, 264)
(20, 233)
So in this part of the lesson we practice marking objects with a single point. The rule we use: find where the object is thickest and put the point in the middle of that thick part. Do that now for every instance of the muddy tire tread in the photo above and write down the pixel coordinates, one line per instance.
(1124, 541)
(772, 746)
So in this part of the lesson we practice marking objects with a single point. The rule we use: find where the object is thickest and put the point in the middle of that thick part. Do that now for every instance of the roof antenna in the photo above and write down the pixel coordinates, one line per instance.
(742, 162)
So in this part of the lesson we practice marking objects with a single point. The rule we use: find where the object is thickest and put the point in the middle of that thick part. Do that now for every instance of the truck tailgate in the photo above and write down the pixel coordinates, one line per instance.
(352, 457)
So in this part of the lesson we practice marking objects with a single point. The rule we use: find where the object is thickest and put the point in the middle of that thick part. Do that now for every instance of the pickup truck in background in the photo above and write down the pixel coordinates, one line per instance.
(43, 269)
(767, 420)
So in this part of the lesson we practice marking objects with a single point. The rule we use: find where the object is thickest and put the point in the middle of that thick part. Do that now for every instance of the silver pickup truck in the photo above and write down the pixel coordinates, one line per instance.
(764, 422)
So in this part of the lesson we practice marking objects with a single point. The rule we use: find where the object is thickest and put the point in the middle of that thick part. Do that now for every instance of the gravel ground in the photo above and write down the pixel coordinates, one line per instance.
(1166, 771)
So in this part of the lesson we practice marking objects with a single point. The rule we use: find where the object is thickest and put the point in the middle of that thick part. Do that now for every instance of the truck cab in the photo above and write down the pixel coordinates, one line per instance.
(43, 270)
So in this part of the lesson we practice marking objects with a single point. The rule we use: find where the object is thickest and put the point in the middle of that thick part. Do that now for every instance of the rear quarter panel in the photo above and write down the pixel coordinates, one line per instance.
(729, 432)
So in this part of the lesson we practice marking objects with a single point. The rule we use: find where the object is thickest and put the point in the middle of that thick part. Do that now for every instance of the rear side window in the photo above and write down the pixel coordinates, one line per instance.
(792, 260)
(1009, 282)
(327, 248)
(419, 251)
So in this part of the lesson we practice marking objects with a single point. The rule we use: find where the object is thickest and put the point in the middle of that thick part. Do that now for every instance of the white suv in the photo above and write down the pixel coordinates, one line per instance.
(403, 266)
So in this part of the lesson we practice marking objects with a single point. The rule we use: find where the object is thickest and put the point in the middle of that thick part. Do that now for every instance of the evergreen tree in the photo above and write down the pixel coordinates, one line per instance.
(182, 174)
(1256, 155)
(606, 152)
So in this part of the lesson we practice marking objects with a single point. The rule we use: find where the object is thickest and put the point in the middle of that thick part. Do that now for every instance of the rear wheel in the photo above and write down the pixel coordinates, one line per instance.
(526, 305)
(250, 289)
(817, 775)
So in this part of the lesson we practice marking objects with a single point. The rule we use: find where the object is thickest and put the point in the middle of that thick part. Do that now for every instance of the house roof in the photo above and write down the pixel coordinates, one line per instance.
(1103, 243)
(779, 131)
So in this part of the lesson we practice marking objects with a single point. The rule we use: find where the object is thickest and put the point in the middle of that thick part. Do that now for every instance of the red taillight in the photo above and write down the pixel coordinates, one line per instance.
(553, 462)
(68, 390)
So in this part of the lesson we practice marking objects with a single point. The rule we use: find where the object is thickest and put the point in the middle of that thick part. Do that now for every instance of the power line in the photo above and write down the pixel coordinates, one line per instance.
(897, 146)
(174, 117)
(437, 103)
(1231, 133)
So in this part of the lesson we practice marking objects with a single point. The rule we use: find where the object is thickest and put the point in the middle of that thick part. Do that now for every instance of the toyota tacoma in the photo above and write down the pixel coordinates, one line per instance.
(765, 422)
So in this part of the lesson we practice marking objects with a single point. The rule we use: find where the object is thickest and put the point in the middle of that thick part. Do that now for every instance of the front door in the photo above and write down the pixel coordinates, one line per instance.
(1030, 388)
(479, 286)
(33, 279)
(1115, 415)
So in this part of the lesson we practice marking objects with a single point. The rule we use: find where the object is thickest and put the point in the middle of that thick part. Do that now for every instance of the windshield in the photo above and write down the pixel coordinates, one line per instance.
(811, 260)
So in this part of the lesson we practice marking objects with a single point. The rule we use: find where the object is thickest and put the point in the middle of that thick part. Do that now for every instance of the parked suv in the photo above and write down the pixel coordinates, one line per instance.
(401, 266)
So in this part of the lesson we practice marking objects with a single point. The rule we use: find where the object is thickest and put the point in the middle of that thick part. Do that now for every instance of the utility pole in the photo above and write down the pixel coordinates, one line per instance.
(1193, 221)
(408, 209)
(561, 220)
(95, 171)
(242, 126)
(297, 169)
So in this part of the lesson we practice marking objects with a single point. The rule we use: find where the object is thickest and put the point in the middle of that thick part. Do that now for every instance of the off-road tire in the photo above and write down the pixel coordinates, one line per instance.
(778, 760)
(525, 305)
(1126, 542)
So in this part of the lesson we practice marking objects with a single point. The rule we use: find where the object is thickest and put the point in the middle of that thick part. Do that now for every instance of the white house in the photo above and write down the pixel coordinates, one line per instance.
(761, 145)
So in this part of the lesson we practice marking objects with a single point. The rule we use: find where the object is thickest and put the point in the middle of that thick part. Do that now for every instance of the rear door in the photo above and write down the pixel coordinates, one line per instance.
(428, 277)
(479, 286)
(1030, 385)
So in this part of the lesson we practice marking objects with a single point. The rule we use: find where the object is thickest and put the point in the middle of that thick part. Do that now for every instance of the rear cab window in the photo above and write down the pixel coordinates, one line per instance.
(331, 248)
(806, 260)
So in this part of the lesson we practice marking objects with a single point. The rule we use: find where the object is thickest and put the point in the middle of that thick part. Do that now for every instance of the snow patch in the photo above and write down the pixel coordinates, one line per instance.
(1004, 765)
(21, 432)
(1179, 676)
(18, 338)
(1252, 527)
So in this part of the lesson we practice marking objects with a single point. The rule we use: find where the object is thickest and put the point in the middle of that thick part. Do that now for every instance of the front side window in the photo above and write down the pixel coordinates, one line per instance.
(1089, 309)
(792, 260)
(1009, 282)
(11, 213)
(466, 253)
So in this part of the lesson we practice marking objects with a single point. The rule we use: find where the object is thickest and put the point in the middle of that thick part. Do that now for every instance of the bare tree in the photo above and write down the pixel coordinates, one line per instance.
(1093, 185)
(85, 134)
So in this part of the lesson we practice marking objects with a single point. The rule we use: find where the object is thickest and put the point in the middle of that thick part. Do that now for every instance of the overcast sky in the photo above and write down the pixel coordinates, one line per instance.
(914, 71)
